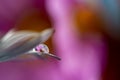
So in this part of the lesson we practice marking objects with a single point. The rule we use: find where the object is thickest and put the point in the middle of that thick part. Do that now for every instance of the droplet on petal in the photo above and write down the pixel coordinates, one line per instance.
(42, 48)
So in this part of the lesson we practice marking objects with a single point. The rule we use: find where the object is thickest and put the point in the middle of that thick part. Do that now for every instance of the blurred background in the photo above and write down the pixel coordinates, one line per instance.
(87, 38)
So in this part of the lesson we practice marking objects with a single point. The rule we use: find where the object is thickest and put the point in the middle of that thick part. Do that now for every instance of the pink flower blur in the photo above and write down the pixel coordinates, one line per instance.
(80, 61)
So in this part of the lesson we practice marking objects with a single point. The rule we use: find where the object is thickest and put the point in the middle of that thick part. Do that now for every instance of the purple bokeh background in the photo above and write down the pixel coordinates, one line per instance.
(80, 60)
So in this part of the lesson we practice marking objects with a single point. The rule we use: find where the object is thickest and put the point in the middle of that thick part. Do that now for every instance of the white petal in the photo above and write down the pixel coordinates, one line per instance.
(18, 43)
(46, 34)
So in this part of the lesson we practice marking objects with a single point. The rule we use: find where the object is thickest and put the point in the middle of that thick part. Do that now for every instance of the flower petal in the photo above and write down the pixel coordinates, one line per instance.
(22, 42)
